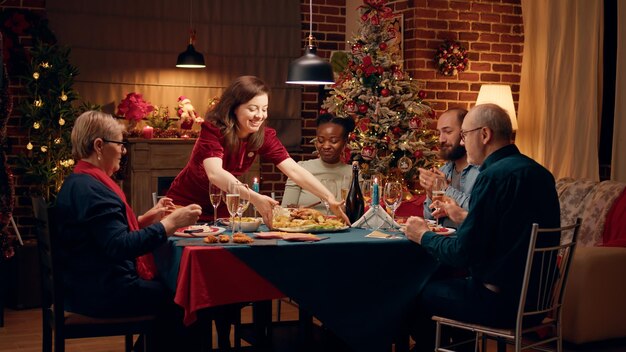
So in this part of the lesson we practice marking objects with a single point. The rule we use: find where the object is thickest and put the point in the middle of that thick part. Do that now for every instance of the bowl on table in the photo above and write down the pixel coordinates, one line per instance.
(248, 224)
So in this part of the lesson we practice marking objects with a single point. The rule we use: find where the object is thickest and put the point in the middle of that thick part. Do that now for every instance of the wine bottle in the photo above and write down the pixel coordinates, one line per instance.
(354, 201)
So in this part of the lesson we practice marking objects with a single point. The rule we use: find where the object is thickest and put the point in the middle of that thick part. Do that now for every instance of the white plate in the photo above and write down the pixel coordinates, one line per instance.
(448, 232)
(205, 231)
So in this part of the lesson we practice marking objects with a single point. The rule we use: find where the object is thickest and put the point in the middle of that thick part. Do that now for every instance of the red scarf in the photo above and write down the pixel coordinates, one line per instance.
(146, 268)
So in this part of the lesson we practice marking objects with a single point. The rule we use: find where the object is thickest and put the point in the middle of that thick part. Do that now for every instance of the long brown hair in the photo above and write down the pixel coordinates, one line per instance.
(241, 90)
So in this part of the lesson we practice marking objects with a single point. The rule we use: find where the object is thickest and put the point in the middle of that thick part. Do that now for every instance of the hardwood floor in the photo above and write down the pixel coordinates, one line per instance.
(22, 333)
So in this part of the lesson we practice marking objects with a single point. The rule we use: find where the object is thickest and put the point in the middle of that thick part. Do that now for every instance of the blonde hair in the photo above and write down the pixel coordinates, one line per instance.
(89, 126)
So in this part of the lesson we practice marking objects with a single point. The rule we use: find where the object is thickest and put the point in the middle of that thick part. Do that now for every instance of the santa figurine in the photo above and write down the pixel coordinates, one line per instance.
(187, 113)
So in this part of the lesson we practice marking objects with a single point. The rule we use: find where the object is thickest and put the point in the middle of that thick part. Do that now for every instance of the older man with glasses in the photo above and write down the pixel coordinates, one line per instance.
(511, 193)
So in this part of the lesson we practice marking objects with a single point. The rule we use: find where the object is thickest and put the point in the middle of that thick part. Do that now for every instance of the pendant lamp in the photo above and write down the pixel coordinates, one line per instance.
(310, 69)
(190, 58)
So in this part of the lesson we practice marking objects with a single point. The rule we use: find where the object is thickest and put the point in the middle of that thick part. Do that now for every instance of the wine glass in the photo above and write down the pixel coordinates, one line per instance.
(392, 195)
(215, 195)
(345, 187)
(244, 201)
(438, 191)
(366, 191)
(232, 201)
(330, 185)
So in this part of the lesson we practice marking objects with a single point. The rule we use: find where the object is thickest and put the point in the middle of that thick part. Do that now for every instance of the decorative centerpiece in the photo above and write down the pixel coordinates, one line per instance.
(451, 58)
(134, 108)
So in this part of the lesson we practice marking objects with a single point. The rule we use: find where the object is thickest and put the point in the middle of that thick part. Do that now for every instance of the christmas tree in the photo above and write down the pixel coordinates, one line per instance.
(48, 115)
(393, 134)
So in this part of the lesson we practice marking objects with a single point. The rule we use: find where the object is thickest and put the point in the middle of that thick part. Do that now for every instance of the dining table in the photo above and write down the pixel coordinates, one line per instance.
(363, 289)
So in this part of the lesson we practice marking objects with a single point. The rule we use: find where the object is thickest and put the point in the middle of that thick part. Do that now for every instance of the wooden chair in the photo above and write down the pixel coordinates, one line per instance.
(544, 281)
(65, 325)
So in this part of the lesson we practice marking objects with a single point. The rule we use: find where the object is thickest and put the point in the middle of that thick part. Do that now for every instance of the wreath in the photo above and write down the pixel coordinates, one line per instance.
(451, 58)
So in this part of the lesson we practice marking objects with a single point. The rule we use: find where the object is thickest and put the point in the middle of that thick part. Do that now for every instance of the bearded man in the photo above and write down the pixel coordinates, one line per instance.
(458, 174)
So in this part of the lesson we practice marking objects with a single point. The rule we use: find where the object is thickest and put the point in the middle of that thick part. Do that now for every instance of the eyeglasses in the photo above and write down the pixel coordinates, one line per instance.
(464, 133)
(122, 143)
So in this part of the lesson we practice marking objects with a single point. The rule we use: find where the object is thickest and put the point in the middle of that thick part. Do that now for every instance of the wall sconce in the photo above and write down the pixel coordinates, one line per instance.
(310, 69)
(501, 95)
(190, 58)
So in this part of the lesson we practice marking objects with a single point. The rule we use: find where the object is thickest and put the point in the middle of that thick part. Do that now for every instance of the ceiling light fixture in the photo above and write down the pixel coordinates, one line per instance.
(310, 69)
(190, 58)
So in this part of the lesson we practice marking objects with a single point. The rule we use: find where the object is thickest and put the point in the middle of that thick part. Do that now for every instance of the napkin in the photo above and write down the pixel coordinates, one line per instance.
(375, 217)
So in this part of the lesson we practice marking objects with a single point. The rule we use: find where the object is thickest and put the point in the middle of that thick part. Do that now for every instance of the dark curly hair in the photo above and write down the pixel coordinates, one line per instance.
(346, 123)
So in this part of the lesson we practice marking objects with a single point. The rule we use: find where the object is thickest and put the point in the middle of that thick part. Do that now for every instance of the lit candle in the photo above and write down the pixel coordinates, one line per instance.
(375, 192)
(255, 185)
(147, 132)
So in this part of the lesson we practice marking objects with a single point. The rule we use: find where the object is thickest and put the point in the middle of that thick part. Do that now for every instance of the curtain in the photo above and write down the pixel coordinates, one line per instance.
(560, 97)
(122, 46)
(618, 163)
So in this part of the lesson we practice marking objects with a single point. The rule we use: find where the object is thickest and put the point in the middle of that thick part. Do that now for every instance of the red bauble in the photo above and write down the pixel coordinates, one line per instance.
(421, 94)
(351, 106)
(352, 136)
(397, 130)
(383, 46)
(386, 139)
(323, 111)
(380, 70)
(362, 108)
(384, 92)
(418, 154)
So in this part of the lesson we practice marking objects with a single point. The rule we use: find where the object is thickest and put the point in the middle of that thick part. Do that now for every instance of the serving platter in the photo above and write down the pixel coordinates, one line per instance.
(198, 231)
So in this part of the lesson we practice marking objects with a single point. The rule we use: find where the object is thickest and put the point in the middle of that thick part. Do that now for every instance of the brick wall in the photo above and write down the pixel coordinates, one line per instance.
(16, 138)
(492, 32)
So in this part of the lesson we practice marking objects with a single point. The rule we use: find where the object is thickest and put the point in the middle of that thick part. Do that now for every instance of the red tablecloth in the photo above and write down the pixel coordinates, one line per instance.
(230, 281)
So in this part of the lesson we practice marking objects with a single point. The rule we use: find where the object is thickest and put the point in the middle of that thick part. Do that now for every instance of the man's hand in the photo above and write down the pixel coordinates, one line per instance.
(448, 207)
(415, 228)
(427, 179)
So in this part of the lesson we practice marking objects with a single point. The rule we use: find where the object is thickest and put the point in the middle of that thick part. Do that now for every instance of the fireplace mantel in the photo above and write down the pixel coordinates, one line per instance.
(152, 162)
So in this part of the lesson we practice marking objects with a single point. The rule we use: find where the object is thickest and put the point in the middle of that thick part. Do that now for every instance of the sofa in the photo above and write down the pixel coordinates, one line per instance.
(594, 306)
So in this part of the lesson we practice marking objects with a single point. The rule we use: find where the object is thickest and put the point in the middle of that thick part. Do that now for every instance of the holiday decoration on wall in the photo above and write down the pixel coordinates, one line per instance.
(451, 58)
(393, 134)
(48, 114)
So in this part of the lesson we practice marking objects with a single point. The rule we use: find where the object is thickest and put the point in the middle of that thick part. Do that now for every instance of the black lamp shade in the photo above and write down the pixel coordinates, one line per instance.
(190, 58)
(310, 69)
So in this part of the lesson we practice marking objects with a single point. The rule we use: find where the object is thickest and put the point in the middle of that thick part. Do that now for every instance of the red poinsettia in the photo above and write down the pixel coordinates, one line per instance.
(134, 107)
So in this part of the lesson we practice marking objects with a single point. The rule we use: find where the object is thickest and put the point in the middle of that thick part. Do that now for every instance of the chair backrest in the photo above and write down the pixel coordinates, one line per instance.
(547, 268)
(50, 266)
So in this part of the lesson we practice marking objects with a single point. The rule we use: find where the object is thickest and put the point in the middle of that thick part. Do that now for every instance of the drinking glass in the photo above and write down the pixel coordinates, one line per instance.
(330, 185)
(244, 201)
(438, 191)
(232, 202)
(392, 195)
(215, 195)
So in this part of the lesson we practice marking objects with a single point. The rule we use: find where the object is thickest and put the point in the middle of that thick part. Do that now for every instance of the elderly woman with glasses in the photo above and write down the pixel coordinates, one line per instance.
(104, 246)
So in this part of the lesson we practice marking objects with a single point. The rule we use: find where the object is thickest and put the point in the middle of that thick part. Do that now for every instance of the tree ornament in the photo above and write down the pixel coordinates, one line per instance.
(57, 140)
(36, 125)
(405, 164)
(418, 154)
(422, 94)
(382, 46)
(415, 123)
(44, 148)
(384, 92)
(36, 75)
(29, 146)
(351, 106)
(63, 96)
(38, 103)
(362, 108)
(368, 152)
(61, 121)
